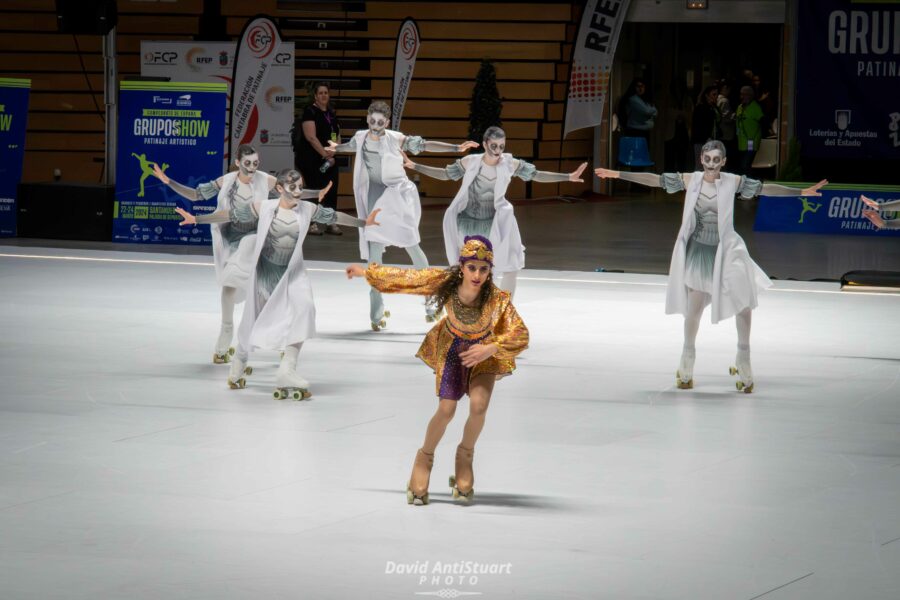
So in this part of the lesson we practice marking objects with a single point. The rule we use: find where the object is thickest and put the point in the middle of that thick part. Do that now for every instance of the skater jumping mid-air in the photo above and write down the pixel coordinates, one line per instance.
(710, 262)
(233, 238)
(379, 181)
(279, 313)
(469, 349)
(480, 206)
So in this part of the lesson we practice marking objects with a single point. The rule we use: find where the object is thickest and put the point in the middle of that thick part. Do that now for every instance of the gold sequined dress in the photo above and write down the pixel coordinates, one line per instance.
(497, 322)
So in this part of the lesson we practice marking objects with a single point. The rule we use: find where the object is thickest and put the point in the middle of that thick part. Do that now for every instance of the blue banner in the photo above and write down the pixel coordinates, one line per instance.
(13, 120)
(180, 127)
(836, 211)
(848, 71)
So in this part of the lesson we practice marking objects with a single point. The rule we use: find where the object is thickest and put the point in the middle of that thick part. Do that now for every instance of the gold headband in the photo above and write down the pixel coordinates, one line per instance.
(476, 250)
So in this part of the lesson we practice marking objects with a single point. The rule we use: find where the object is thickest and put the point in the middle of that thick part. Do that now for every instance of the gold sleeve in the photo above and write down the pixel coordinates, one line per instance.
(394, 280)
(510, 334)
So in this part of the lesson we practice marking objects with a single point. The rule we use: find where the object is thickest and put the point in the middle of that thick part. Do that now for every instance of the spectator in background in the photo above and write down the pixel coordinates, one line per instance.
(319, 126)
(727, 116)
(766, 100)
(636, 111)
(705, 122)
(749, 133)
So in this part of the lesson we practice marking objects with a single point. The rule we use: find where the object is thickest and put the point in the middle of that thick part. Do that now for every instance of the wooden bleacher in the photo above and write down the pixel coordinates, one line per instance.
(349, 44)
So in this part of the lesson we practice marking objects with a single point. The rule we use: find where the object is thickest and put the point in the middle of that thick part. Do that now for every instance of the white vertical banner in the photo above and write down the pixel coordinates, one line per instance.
(259, 49)
(213, 62)
(592, 60)
(408, 42)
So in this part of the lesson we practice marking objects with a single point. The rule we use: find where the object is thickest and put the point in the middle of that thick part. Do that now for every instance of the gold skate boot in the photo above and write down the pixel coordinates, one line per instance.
(417, 488)
(462, 485)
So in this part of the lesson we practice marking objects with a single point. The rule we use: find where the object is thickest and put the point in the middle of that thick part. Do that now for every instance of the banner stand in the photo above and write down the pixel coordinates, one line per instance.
(13, 124)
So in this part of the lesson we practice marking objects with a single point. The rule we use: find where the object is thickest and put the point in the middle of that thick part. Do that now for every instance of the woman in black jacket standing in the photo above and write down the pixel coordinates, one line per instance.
(319, 125)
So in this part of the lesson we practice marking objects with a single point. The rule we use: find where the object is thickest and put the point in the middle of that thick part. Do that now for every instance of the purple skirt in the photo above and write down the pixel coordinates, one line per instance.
(455, 378)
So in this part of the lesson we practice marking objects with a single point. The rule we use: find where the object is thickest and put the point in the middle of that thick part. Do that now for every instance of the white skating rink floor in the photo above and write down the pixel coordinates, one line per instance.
(129, 470)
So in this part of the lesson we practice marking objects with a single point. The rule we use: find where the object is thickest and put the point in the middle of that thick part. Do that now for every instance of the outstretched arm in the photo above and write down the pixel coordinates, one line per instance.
(890, 205)
(454, 170)
(672, 182)
(393, 280)
(329, 216)
(774, 189)
(204, 191)
(346, 148)
(528, 172)
(415, 144)
(879, 222)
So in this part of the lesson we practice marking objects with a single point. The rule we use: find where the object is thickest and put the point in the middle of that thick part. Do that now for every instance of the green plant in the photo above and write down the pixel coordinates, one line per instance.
(486, 105)
(790, 168)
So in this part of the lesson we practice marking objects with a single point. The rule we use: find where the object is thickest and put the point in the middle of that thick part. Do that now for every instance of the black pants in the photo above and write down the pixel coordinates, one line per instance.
(314, 179)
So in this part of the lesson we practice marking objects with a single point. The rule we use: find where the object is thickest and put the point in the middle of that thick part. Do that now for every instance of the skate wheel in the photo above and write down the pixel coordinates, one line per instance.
(453, 482)
(739, 385)
(279, 395)
(387, 314)
(410, 497)
(732, 371)
(231, 351)
(748, 389)
(221, 359)
(296, 395)
(248, 371)
(237, 385)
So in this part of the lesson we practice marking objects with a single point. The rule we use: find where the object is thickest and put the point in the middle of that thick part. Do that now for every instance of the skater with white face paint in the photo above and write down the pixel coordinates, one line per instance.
(710, 263)
(480, 206)
(873, 213)
(233, 239)
(379, 181)
(280, 313)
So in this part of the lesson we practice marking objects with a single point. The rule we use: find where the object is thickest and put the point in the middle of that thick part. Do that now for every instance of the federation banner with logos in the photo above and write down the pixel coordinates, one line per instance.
(408, 43)
(213, 62)
(592, 60)
(848, 73)
(257, 50)
(179, 126)
(13, 121)
(837, 211)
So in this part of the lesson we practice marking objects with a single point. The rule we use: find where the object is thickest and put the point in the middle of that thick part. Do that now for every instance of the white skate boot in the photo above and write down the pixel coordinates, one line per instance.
(288, 384)
(743, 371)
(224, 351)
(684, 376)
(239, 368)
(382, 322)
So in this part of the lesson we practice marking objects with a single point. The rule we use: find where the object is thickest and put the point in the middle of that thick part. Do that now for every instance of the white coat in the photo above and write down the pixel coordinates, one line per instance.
(737, 280)
(400, 207)
(289, 315)
(233, 267)
(509, 253)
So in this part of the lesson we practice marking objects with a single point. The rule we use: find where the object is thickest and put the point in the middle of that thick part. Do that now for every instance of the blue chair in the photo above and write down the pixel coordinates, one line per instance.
(633, 152)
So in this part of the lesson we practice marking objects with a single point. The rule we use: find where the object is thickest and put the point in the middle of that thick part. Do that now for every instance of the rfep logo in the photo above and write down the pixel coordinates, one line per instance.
(160, 58)
(409, 40)
(261, 39)
(277, 98)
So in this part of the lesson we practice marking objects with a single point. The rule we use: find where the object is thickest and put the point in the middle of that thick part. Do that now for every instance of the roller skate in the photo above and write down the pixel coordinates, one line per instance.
(382, 322)
(743, 371)
(288, 384)
(239, 368)
(224, 351)
(465, 477)
(417, 488)
(684, 376)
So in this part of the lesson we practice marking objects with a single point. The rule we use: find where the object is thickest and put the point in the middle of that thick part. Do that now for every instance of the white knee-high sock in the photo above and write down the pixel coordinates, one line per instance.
(696, 303)
(417, 256)
(508, 282)
(228, 296)
(742, 320)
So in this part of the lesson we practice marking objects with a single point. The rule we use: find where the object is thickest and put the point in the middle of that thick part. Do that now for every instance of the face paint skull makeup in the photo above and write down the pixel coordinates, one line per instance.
(377, 123)
(248, 164)
(495, 147)
(713, 161)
